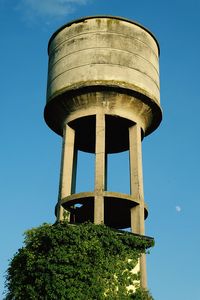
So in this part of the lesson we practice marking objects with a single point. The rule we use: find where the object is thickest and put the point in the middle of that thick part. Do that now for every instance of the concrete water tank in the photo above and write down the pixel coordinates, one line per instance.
(107, 61)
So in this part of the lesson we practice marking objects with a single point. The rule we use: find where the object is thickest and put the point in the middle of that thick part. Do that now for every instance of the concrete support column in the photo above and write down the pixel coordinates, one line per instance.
(136, 161)
(136, 185)
(99, 168)
(68, 168)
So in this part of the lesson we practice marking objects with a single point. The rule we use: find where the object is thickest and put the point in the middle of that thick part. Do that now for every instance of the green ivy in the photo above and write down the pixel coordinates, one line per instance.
(76, 262)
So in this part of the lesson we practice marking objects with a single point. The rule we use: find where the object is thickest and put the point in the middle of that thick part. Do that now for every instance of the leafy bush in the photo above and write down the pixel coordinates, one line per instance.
(75, 262)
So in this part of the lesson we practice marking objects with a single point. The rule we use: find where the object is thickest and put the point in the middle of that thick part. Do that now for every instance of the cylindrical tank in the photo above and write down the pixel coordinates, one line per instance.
(107, 61)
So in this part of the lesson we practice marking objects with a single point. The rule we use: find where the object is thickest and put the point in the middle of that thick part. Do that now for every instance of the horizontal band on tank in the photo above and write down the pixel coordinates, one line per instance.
(103, 48)
(99, 17)
(76, 87)
(101, 32)
(105, 64)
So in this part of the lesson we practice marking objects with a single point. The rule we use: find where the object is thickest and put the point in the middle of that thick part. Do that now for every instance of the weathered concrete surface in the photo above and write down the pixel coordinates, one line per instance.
(117, 207)
(67, 167)
(102, 52)
(100, 166)
(104, 49)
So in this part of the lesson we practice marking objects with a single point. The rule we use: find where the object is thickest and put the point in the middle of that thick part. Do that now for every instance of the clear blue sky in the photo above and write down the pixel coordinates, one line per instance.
(30, 151)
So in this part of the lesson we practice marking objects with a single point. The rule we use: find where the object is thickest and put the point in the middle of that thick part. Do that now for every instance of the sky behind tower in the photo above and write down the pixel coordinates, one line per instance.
(30, 151)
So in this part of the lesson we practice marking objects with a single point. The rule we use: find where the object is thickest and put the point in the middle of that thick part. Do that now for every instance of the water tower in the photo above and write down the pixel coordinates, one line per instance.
(103, 97)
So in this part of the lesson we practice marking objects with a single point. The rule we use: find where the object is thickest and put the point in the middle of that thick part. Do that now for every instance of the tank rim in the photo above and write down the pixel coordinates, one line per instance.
(102, 16)
(158, 113)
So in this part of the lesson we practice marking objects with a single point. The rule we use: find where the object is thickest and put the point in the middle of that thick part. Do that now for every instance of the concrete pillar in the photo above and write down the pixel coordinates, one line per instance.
(68, 167)
(143, 271)
(136, 161)
(99, 168)
(136, 185)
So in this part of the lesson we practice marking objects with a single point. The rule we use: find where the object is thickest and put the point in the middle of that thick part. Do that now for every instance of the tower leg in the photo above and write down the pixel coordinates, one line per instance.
(99, 168)
(136, 184)
(67, 174)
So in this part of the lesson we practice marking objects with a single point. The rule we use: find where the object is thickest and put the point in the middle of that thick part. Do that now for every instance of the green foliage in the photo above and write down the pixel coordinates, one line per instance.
(75, 262)
(141, 294)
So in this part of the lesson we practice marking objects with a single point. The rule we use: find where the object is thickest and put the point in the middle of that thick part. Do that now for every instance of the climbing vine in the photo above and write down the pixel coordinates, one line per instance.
(76, 262)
